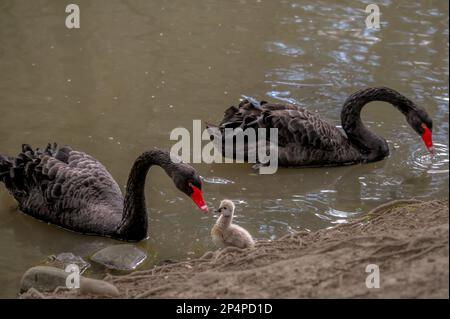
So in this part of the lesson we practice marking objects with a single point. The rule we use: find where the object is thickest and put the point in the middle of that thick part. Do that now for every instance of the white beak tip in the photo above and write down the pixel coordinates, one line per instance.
(204, 208)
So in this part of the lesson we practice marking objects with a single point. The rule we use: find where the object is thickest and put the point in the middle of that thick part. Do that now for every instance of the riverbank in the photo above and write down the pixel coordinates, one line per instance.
(407, 240)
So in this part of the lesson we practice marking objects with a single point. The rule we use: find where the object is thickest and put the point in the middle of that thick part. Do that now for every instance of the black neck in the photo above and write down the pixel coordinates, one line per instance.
(133, 225)
(371, 145)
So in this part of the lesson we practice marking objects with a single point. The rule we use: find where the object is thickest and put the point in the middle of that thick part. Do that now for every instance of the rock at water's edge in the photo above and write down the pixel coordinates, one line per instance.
(43, 278)
(47, 279)
(62, 260)
(120, 257)
(98, 287)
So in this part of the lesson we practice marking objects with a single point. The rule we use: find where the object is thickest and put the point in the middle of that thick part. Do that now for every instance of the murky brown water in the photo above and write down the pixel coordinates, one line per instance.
(137, 69)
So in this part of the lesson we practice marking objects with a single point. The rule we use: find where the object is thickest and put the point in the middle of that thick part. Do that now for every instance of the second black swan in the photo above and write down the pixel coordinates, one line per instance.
(73, 190)
(304, 139)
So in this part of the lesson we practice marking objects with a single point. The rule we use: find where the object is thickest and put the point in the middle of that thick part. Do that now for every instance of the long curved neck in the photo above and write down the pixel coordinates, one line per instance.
(134, 223)
(372, 146)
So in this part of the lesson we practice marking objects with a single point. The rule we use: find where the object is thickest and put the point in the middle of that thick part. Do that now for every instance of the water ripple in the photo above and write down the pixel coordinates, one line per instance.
(284, 49)
(217, 180)
(423, 161)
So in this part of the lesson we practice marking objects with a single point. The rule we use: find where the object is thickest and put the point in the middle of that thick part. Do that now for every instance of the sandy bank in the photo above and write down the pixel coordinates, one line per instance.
(408, 240)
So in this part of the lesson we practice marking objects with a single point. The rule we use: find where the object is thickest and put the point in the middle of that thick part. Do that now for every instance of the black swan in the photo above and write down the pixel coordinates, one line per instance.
(73, 190)
(304, 139)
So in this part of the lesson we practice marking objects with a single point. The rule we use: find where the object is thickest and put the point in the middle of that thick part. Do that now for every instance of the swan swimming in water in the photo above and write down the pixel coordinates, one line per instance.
(224, 233)
(304, 139)
(73, 190)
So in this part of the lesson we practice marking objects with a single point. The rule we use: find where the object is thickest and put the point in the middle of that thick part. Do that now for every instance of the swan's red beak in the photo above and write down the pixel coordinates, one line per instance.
(427, 138)
(197, 197)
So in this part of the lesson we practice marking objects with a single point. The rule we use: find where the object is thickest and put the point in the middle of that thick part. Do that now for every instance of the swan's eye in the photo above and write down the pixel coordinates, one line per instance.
(425, 126)
(195, 182)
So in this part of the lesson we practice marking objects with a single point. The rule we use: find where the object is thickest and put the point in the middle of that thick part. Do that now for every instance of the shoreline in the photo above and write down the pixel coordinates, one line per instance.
(407, 240)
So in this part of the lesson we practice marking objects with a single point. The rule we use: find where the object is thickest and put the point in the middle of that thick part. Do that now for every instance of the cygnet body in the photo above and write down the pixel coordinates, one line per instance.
(224, 233)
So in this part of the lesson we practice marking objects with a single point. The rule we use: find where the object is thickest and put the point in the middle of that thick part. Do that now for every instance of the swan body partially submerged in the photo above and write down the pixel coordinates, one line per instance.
(73, 190)
(304, 139)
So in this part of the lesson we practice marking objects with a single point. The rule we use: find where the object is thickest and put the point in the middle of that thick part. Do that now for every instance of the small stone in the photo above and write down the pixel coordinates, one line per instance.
(47, 279)
(43, 279)
(120, 257)
(97, 287)
(64, 259)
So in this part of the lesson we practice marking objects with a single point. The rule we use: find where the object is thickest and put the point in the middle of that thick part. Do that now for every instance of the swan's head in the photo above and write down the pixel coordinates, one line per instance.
(189, 182)
(421, 122)
(226, 208)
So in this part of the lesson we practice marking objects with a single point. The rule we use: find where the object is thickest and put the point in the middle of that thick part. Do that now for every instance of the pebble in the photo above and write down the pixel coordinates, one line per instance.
(43, 279)
(64, 259)
(47, 279)
(97, 287)
(120, 257)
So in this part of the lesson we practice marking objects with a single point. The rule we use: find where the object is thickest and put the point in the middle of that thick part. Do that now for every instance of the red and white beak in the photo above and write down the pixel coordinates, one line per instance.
(427, 138)
(197, 197)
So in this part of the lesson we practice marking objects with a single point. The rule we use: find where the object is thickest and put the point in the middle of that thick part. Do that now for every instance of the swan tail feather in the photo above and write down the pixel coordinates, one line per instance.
(6, 163)
(26, 170)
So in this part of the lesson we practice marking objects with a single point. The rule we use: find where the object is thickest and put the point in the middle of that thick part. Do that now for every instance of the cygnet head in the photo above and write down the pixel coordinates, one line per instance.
(226, 208)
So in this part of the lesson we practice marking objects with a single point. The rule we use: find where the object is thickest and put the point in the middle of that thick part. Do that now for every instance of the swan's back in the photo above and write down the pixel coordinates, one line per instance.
(64, 187)
(304, 139)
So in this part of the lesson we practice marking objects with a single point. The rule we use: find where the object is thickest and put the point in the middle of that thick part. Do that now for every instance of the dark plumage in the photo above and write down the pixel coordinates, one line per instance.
(73, 190)
(304, 139)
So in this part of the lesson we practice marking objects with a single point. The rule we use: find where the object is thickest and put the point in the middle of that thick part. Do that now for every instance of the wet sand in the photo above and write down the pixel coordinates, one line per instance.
(407, 240)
